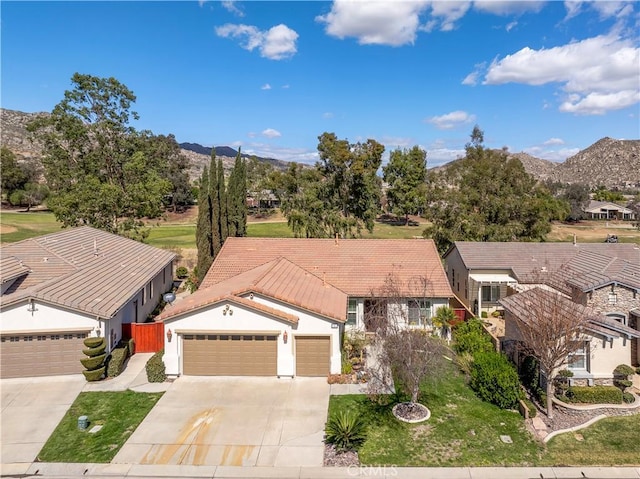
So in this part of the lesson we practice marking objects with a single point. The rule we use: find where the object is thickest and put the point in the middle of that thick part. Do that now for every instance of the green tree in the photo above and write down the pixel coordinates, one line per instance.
(486, 196)
(32, 195)
(204, 235)
(15, 175)
(406, 175)
(237, 198)
(577, 196)
(259, 178)
(97, 167)
(602, 194)
(223, 203)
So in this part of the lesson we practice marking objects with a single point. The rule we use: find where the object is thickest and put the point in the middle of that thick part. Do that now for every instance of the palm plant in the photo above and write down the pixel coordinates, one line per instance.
(345, 430)
(443, 320)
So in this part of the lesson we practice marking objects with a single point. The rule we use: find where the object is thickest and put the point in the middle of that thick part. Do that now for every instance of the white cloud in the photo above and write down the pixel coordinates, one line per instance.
(231, 6)
(573, 7)
(285, 87)
(271, 133)
(447, 13)
(612, 9)
(471, 79)
(598, 74)
(550, 154)
(451, 120)
(379, 23)
(440, 156)
(508, 7)
(554, 141)
(394, 142)
(327, 115)
(511, 26)
(277, 43)
(266, 86)
(299, 155)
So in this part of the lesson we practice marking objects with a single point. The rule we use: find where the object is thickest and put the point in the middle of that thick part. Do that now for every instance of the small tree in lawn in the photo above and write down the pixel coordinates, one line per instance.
(550, 328)
(407, 355)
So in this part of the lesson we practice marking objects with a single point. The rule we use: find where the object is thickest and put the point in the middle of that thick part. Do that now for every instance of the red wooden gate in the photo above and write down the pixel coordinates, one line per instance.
(147, 337)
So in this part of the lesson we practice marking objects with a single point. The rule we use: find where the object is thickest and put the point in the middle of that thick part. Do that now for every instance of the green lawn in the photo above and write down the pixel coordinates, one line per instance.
(462, 430)
(609, 442)
(18, 226)
(119, 413)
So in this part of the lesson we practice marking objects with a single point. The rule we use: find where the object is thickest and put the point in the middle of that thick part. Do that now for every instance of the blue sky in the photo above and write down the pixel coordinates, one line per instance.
(547, 78)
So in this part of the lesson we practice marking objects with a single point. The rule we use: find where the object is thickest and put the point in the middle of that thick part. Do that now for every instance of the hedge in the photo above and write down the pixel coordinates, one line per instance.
(156, 371)
(131, 344)
(494, 379)
(116, 362)
(593, 395)
(94, 362)
(94, 375)
(471, 337)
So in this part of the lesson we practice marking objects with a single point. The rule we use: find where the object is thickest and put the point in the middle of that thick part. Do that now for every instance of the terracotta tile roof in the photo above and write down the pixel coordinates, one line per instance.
(84, 269)
(525, 259)
(279, 279)
(355, 266)
(521, 305)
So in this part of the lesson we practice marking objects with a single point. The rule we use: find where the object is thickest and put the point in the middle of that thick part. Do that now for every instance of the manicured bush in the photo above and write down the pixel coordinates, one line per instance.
(346, 431)
(494, 379)
(94, 375)
(131, 345)
(530, 373)
(623, 370)
(181, 272)
(116, 363)
(156, 370)
(628, 398)
(92, 363)
(93, 342)
(95, 351)
(471, 337)
(593, 395)
(623, 383)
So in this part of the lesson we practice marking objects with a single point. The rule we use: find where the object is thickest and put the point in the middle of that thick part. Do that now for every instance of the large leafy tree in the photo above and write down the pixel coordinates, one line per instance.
(16, 175)
(100, 170)
(406, 175)
(487, 196)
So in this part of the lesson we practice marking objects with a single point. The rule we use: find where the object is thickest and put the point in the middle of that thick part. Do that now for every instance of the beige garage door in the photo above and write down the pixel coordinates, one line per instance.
(313, 355)
(230, 354)
(42, 354)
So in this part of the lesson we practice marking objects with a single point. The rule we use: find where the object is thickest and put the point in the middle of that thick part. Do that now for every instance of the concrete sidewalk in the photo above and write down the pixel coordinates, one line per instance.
(72, 471)
(133, 377)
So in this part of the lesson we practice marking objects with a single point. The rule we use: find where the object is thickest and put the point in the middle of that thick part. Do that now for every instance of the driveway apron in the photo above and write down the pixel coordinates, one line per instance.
(233, 421)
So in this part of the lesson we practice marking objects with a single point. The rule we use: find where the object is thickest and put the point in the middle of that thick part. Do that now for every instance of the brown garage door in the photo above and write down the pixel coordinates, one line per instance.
(230, 354)
(313, 355)
(42, 354)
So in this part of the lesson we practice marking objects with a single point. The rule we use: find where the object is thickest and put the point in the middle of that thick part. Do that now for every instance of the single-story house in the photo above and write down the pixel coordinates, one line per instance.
(481, 273)
(606, 210)
(607, 342)
(280, 306)
(60, 288)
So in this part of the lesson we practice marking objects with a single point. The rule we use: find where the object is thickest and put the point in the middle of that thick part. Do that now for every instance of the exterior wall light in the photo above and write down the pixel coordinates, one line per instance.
(169, 335)
(285, 336)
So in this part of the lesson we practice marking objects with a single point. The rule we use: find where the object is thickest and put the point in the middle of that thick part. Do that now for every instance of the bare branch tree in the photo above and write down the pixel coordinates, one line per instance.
(404, 344)
(550, 328)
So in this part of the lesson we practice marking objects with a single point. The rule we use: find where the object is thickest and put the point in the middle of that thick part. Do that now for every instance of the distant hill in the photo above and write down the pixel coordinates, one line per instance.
(608, 162)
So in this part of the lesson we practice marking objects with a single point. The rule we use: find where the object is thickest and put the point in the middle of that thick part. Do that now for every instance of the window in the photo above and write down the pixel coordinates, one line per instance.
(613, 298)
(578, 359)
(352, 312)
(419, 312)
(453, 276)
(491, 293)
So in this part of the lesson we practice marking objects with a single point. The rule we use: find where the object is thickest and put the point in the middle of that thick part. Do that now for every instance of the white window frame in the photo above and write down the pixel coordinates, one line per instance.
(419, 312)
(352, 311)
(581, 355)
(494, 293)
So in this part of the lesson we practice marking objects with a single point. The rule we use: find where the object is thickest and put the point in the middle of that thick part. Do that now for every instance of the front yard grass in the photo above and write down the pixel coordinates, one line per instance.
(609, 442)
(119, 413)
(462, 430)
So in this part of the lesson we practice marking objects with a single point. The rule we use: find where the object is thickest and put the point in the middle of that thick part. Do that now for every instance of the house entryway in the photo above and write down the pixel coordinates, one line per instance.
(230, 354)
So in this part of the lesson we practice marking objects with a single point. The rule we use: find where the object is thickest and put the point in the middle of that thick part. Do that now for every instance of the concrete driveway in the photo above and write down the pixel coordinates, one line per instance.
(31, 410)
(233, 422)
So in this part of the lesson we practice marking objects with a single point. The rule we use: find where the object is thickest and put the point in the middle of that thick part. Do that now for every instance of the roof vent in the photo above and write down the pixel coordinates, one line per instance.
(45, 259)
(544, 269)
(95, 247)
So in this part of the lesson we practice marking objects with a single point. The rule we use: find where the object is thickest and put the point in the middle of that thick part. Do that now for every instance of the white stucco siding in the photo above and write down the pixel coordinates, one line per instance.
(245, 319)
(605, 355)
(149, 296)
(45, 317)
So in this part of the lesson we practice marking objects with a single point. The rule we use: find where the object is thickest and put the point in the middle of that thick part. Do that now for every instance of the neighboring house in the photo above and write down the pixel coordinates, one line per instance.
(60, 288)
(481, 273)
(605, 210)
(606, 343)
(279, 306)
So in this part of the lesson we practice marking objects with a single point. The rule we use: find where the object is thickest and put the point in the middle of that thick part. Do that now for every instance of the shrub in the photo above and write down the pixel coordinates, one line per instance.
(593, 395)
(465, 362)
(93, 342)
(116, 363)
(530, 407)
(623, 370)
(494, 379)
(347, 366)
(98, 350)
(628, 398)
(484, 314)
(345, 430)
(94, 375)
(92, 363)
(472, 338)
(623, 383)
(530, 373)
(182, 272)
(131, 345)
(156, 371)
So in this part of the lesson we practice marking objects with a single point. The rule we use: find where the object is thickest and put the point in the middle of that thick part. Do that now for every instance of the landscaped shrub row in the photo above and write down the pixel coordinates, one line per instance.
(494, 379)
(471, 337)
(156, 371)
(593, 395)
(94, 362)
(116, 362)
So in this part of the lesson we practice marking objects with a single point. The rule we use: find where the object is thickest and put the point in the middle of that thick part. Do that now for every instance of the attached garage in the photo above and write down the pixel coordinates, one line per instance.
(229, 354)
(41, 354)
(313, 355)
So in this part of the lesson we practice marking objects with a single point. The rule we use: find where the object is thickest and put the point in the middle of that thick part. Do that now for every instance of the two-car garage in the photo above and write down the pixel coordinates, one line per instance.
(249, 354)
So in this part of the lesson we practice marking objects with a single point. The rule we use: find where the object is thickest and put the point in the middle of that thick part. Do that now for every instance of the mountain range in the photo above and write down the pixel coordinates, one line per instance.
(608, 162)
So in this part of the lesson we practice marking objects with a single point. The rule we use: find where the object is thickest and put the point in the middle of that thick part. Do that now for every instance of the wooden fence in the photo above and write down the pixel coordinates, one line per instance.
(147, 337)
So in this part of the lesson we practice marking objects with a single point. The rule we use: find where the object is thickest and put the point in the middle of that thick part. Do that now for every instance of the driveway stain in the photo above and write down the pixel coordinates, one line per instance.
(236, 455)
(189, 447)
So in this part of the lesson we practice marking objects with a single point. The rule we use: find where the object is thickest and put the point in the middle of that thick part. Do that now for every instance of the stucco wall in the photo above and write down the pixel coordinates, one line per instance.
(149, 296)
(245, 319)
(45, 318)
(395, 311)
(454, 263)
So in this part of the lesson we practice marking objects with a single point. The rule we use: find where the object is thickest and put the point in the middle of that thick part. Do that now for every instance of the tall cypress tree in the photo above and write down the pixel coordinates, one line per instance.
(214, 196)
(222, 195)
(237, 193)
(203, 227)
